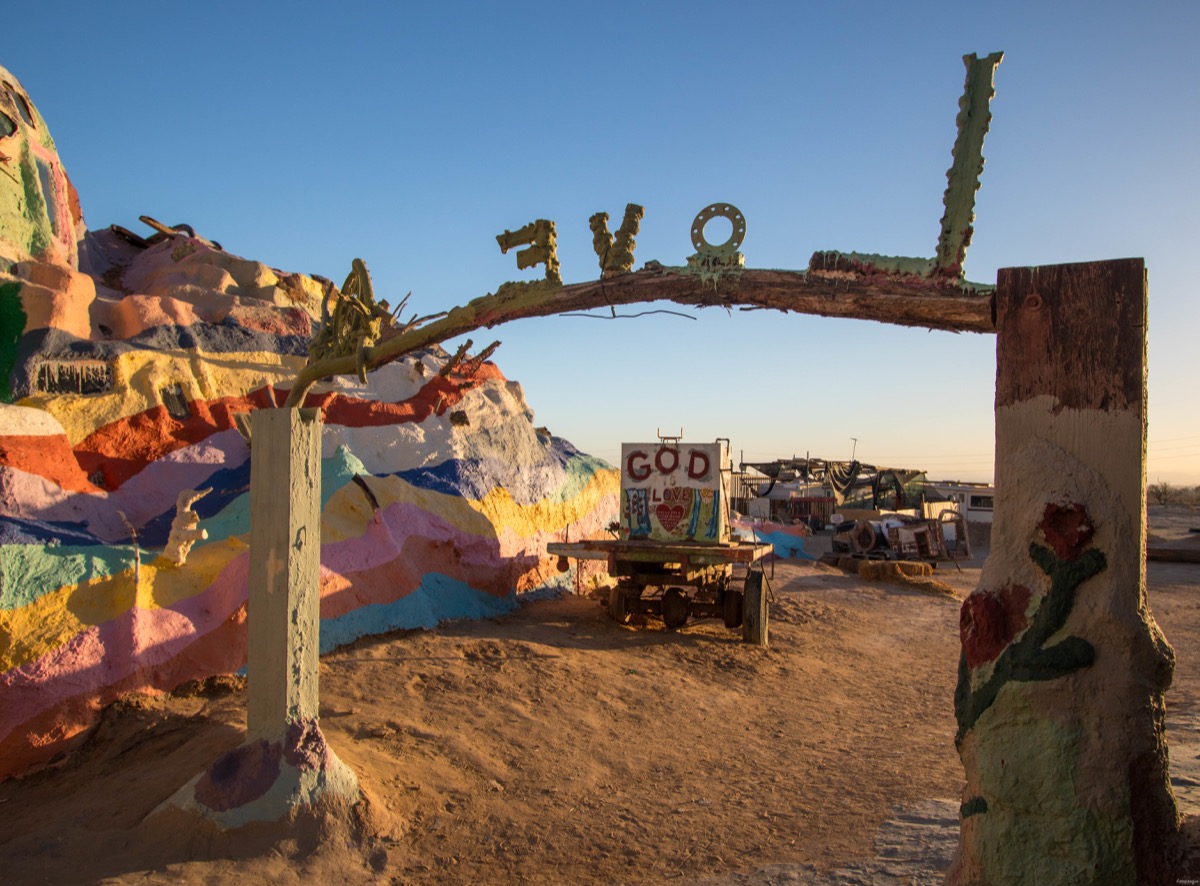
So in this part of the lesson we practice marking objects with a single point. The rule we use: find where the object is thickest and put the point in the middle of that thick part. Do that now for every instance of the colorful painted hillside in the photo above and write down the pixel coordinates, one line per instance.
(124, 479)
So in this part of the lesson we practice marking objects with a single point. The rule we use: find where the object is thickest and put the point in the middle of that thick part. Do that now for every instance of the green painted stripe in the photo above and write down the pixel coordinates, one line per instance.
(974, 806)
(28, 572)
(12, 327)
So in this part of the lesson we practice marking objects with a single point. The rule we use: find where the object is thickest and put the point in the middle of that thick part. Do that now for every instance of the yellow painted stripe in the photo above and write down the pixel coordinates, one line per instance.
(53, 619)
(139, 376)
(504, 514)
(348, 510)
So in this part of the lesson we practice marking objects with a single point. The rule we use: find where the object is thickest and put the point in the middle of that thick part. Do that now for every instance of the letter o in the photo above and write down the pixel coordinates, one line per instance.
(658, 460)
(707, 214)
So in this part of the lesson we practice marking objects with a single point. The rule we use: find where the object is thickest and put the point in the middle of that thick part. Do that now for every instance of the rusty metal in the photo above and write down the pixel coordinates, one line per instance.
(719, 210)
(900, 537)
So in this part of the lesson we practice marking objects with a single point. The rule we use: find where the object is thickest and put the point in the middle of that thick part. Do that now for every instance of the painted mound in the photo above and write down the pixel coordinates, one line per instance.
(123, 368)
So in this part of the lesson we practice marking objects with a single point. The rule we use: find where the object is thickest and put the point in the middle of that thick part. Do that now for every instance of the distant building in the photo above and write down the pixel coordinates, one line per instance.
(975, 501)
(811, 490)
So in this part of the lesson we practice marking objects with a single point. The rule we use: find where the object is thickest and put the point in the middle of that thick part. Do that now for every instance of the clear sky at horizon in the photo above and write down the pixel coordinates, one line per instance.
(409, 135)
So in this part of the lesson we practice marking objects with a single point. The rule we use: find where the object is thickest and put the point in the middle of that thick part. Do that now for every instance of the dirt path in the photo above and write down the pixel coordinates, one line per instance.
(555, 746)
(608, 753)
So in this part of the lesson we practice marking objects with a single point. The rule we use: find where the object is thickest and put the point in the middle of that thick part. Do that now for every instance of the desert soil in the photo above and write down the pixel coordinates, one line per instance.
(556, 746)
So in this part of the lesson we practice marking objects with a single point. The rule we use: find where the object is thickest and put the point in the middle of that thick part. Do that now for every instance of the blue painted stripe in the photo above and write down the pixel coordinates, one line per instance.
(560, 476)
(439, 598)
(17, 531)
(227, 484)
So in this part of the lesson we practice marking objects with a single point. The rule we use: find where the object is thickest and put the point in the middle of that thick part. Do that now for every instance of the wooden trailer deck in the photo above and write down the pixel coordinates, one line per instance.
(652, 551)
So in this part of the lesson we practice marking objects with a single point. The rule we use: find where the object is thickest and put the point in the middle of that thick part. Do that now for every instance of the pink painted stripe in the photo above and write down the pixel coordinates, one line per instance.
(138, 640)
(115, 650)
(142, 498)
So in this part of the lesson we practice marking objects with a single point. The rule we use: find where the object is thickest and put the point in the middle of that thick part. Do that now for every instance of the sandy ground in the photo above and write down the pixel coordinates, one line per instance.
(555, 746)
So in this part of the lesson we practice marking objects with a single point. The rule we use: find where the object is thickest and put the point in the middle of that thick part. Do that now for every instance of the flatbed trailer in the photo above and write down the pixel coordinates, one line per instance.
(674, 555)
(680, 580)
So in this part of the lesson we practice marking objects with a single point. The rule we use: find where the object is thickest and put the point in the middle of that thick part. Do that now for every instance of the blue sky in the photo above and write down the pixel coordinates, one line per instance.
(411, 134)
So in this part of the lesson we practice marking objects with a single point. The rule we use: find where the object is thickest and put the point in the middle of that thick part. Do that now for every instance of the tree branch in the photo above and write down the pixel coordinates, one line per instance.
(905, 300)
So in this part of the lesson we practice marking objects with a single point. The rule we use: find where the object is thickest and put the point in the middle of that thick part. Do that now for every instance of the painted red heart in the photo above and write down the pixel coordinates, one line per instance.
(669, 516)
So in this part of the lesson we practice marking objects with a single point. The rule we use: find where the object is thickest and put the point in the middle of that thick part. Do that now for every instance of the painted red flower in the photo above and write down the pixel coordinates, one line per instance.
(990, 620)
(1067, 529)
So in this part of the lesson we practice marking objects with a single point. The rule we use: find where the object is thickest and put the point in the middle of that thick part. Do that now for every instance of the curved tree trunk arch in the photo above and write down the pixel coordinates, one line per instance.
(906, 301)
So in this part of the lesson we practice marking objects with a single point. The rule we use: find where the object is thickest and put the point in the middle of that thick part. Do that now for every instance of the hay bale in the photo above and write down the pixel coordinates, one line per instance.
(911, 574)
(930, 586)
(893, 570)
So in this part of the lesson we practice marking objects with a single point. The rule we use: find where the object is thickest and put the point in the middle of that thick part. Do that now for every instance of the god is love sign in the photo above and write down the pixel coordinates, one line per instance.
(672, 491)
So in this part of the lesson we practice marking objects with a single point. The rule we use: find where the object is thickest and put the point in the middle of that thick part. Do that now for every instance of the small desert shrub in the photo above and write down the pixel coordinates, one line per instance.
(1160, 493)
(1164, 493)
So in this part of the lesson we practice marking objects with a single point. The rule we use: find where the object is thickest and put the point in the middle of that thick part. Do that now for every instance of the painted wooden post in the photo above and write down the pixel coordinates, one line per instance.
(285, 566)
(1063, 669)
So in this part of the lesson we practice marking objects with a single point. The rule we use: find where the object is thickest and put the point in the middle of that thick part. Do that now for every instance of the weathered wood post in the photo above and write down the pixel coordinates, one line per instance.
(284, 765)
(1063, 669)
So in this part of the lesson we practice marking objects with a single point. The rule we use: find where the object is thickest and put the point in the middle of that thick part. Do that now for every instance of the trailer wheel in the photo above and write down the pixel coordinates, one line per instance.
(674, 608)
(732, 607)
(865, 538)
(618, 606)
(754, 624)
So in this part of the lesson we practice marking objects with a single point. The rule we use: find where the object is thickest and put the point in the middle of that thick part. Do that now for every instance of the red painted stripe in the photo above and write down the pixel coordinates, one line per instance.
(122, 449)
(48, 456)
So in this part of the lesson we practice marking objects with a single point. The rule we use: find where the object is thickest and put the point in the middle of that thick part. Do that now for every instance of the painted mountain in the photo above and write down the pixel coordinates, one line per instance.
(125, 362)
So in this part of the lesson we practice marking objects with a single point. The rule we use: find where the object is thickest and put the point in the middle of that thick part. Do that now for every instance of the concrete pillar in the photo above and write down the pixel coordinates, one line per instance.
(284, 766)
(1060, 695)
(285, 565)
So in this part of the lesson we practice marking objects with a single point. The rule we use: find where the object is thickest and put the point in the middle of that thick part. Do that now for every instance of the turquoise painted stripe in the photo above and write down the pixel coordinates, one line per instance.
(438, 599)
(580, 471)
(28, 572)
(790, 547)
(234, 518)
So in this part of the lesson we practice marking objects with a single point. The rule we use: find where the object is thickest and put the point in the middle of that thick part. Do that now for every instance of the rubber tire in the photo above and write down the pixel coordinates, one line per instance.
(617, 607)
(865, 538)
(732, 607)
(754, 623)
(674, 608)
